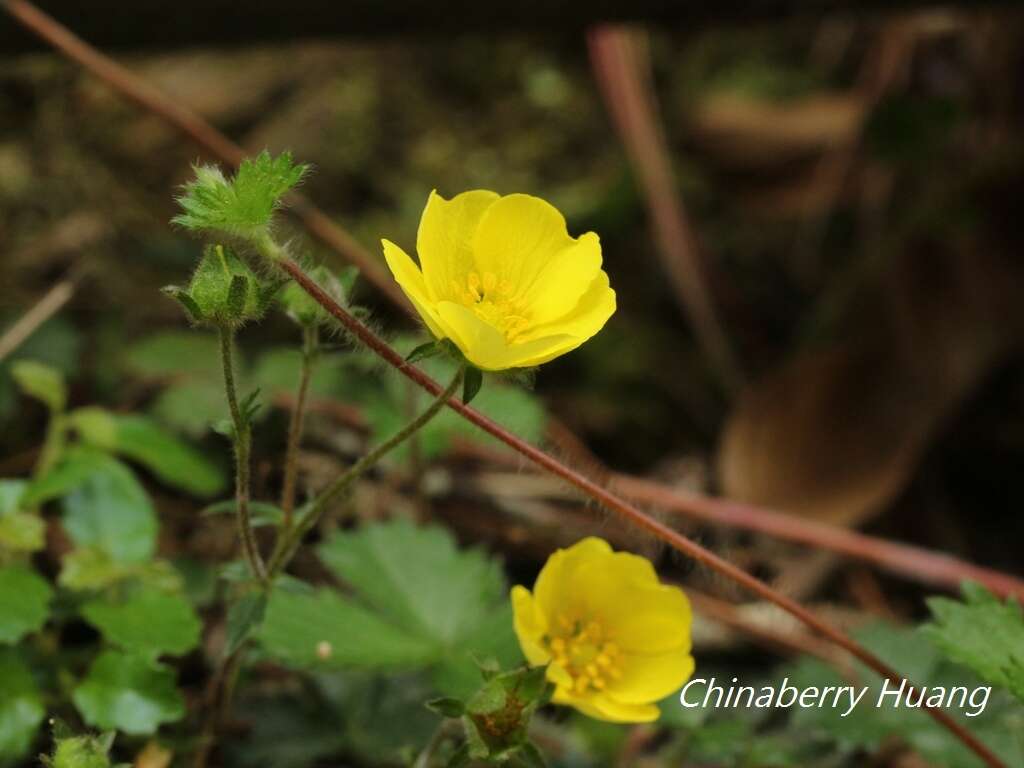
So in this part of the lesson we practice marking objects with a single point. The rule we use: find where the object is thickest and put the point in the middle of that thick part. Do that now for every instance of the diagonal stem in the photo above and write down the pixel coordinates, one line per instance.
(632, 514)
(291, 539)
(291, 462)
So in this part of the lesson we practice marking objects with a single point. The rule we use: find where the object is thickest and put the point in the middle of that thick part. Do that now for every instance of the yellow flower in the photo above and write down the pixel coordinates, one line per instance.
(614, 638)
(503, 280)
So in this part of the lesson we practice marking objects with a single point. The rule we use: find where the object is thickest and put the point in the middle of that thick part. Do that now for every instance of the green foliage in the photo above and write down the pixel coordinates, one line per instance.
(110, 511)
(303, 309)
(419, 603)
(149, 622)
(55, 343)
(326, 630)
(224, 291)
(242, 205)
(21, 707)
(81, 752)
(24, 602)
(417, 579)
(472, 381)
(19, 531)
(42, 382)
(129, 693)
(982, 633)
(140, 439)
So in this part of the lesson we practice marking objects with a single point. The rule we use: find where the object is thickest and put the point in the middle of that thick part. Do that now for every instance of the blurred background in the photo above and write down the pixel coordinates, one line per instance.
(812, 223)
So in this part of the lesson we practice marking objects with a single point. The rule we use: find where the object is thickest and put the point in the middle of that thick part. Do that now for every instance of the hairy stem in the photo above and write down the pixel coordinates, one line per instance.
(630, 513)
(291, 463)
(291, 539)
(242, 440)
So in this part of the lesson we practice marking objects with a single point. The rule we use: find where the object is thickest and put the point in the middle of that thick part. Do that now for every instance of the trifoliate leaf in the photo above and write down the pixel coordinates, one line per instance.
(41, 382)
(242, 205)
(140, 439)
(21, 707)
(982, 633)
(128, 692)
(149, 622)
(111, 511)
(24, 602)
(326, 630)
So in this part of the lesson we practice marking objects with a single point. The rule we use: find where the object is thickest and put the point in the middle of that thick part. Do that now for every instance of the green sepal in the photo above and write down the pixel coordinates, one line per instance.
(180, 295)
(472, 381)
(236, 295)
(424, 351)
(447, 707)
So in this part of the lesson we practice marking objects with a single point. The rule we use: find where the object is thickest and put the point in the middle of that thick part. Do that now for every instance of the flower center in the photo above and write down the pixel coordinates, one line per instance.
(584, 652)
(491, 300)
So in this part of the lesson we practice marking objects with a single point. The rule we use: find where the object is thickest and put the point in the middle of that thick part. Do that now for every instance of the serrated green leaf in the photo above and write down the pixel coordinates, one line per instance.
(417, 577)
(328, 631)
(42, 382)
(142, 440)
(982, 633)
(129, 693)
(243, 204)
(111, 511)
(21, 707)
(149, 622)
(24, 602)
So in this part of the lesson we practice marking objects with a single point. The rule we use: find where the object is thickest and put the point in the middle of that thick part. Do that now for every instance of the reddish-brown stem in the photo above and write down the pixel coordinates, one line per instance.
(194, 127)
(619, 65)
(620, 506)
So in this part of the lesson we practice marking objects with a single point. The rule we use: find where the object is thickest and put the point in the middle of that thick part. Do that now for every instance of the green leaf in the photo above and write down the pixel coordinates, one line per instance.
(24, 602)
(325, 630)
(110, 511)
(982, 633)
(41, 382)
(242, 205)
(423, 351)
(21, 707)
(128, 692)
(82, 752)
(90, 568)
(417, 577)
(76, 466)
(19, 531)
(472, 380)
(245, 615)
(261, 512)
(191, 407)
(142, 440)
(149, 622)
(175, 354)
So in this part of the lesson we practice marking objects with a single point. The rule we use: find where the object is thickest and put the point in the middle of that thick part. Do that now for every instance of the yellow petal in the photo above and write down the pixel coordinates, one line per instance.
(585, 319)
(646, 679)
(558, 286)
(603, 707)
(530, 626)
(410, 279)
(486, 347)
(517, 237)
(444, 242)
(556, 588)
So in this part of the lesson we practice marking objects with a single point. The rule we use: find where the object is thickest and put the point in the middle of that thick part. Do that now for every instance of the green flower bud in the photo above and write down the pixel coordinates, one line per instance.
(224, 291)
(303, 309)
(81, 752)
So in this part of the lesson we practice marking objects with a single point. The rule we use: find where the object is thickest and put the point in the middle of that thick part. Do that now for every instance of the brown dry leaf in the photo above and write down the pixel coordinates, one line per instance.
(153, 756)
(836, 434)
(748, 132)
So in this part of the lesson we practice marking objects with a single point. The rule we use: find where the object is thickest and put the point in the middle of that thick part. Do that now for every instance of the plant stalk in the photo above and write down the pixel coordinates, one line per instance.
(291, 463)
(242, 440)
(290, 540)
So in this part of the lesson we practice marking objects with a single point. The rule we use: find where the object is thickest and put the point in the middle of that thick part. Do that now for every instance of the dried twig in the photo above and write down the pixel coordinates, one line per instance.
(51, 303)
